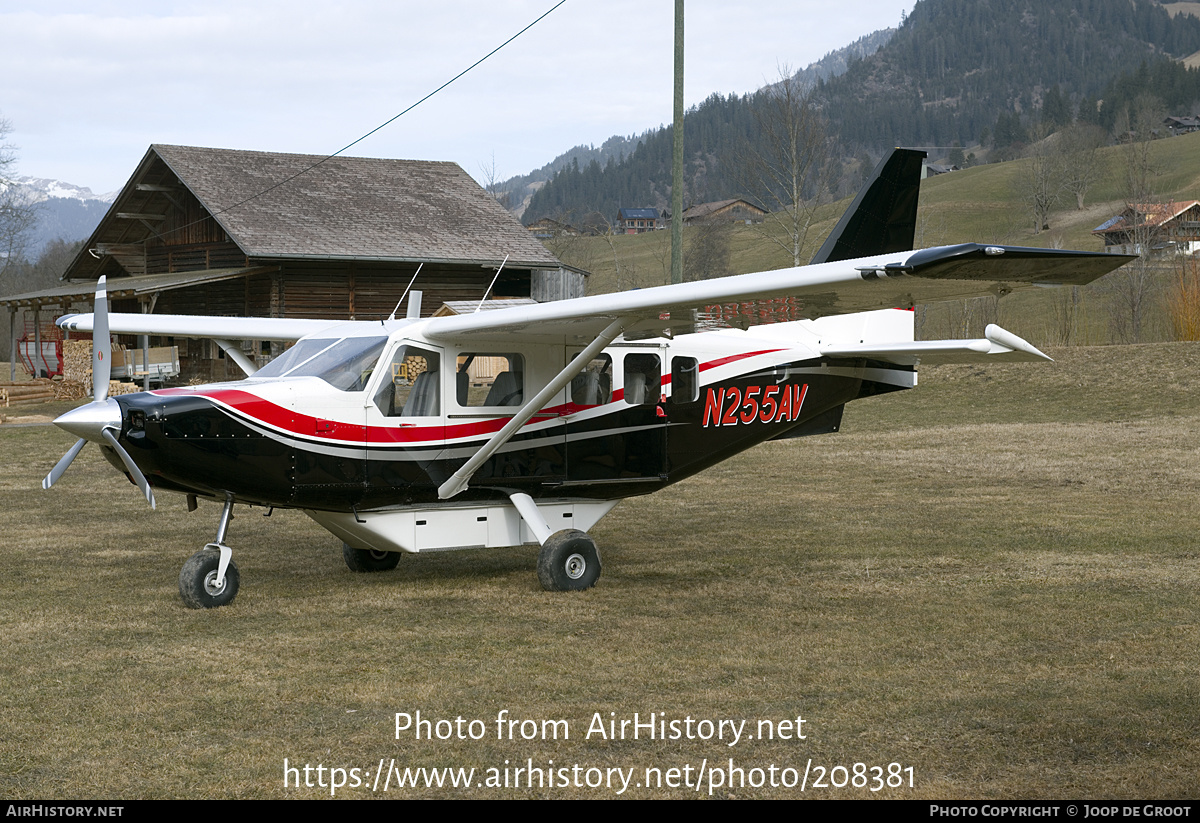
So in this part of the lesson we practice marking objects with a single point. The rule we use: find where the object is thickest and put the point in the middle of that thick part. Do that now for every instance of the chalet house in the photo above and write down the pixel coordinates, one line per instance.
(546, 228)
(636, 221)
(1165, 228)
(261, 234)
(1182, 125)
(724, 211)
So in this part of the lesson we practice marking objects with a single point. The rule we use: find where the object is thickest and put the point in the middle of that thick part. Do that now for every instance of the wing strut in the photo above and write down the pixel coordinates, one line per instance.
(237, 355)
(458, 482)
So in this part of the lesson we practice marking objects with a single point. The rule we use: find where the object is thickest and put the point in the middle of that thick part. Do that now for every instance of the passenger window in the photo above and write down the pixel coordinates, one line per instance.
(490, 379)
(642, 379)
(685, 380)
(411, 386)
(593, 386)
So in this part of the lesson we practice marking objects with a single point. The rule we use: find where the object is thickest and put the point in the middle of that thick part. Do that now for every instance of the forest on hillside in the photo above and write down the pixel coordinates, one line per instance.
(991, 74)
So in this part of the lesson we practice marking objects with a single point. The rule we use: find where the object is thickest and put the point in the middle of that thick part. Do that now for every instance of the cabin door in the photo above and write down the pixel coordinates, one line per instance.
(406, 427)
(616, 432)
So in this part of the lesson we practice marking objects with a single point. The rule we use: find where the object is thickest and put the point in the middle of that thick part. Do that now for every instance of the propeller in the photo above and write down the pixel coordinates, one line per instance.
(98, 420)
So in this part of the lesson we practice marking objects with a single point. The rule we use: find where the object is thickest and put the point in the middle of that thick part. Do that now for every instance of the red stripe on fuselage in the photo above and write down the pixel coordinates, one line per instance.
(304, 425)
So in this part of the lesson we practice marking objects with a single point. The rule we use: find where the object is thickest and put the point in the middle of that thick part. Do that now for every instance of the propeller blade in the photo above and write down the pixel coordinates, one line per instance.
(138, 477)
(57, 471)
(101, 345)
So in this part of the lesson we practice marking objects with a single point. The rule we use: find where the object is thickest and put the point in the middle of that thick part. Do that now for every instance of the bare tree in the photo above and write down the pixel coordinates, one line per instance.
(1130, 290)
(706, 254)
(492, 182)
(787, 169)
(1039, 180)
(1080, 161)
(17, 213)
(567, 241)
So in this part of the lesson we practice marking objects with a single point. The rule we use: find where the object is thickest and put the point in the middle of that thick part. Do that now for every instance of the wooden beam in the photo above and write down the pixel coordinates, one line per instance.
(129, 215)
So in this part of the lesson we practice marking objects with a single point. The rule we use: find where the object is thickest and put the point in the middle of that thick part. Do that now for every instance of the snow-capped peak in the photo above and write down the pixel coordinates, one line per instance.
(40, 188)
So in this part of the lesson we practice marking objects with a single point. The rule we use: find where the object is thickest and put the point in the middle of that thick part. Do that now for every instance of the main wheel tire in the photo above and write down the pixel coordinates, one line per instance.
(369, 560)
(197, 581)
(568, 562)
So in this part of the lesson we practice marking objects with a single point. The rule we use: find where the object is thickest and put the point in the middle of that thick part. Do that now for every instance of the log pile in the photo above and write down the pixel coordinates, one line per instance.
(26, 394)
(43, 390)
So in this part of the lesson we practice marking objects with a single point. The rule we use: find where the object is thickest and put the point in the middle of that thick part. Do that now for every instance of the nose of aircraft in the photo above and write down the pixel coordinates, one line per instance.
(90, 420)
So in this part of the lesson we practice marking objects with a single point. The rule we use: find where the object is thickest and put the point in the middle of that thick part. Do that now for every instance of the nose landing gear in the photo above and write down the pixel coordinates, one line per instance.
(210, 578)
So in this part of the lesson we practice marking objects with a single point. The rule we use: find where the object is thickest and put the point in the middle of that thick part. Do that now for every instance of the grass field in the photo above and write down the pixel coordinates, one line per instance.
(993, 580)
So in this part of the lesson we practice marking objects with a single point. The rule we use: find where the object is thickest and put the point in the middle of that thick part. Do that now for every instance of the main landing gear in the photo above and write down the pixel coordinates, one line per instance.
(369, 560)
(568, 562)
(209, 578)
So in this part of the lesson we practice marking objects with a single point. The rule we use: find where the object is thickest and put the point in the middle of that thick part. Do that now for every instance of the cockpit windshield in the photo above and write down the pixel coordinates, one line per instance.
(345, 363)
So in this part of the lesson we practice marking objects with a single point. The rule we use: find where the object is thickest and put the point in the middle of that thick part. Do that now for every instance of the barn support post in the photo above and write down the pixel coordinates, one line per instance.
(12, 343)
(37, 340)
(144, 340)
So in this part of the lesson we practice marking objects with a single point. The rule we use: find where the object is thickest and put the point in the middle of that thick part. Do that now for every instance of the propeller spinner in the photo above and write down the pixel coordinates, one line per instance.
(100, 420)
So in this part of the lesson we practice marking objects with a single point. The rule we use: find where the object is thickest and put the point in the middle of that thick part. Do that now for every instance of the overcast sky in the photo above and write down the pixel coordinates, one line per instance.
(88, 86)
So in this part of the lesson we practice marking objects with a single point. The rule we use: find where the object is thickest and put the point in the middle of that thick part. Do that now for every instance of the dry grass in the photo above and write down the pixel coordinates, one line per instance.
(1008, 607)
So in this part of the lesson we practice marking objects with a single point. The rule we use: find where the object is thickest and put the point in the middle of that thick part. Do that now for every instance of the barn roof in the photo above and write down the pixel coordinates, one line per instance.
(1152, 215)
(292, 206)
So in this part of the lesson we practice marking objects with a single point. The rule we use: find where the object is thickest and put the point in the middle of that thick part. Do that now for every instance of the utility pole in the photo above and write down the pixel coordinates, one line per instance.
(677, 155)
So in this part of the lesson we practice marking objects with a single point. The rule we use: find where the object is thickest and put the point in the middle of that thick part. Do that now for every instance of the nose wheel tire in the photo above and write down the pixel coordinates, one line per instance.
(369, 560)
(198, 581)
(568, 562)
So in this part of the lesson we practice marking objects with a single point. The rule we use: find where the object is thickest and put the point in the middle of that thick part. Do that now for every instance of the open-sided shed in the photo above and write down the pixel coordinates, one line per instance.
(249, 233)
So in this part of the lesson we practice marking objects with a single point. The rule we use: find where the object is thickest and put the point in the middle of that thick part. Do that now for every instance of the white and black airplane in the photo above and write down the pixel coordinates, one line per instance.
(526, 425)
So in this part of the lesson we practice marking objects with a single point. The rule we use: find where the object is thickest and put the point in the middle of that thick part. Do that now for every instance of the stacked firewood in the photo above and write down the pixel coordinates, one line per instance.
(71, 389)
(77, 361)
(77, 368)
(121, 387)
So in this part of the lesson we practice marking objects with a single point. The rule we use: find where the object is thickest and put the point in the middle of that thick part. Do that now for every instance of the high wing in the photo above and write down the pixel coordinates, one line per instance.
(188, 325)
(876, 231)
(896, 280)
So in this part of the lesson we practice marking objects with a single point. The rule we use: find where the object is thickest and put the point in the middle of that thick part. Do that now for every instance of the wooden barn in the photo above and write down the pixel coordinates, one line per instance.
(261, 234)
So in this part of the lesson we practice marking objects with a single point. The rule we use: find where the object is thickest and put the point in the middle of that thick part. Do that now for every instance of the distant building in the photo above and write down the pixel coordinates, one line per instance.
(732, 211)
(636, 221)
(546, 228)
(934, 169)
(1167, 228)
(1182, 125)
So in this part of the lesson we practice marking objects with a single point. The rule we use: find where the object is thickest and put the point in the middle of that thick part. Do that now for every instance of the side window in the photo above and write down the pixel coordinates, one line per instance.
(411, 386)
(489, 379)
(593, 386)
(643, 376)
(685, 380)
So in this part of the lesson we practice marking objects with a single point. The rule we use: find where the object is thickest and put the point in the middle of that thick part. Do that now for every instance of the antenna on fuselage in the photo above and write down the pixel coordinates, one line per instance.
(489, 288)
(416, 297)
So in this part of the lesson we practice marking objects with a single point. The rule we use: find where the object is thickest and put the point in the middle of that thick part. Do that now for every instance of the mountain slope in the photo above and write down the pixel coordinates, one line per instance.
(945, 77)
(953, 66)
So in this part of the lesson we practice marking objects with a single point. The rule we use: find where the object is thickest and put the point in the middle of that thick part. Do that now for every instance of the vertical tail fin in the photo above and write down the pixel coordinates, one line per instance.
(883, 217)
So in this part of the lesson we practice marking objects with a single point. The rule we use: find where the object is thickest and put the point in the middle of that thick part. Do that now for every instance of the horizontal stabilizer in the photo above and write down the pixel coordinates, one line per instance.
(996, 344)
